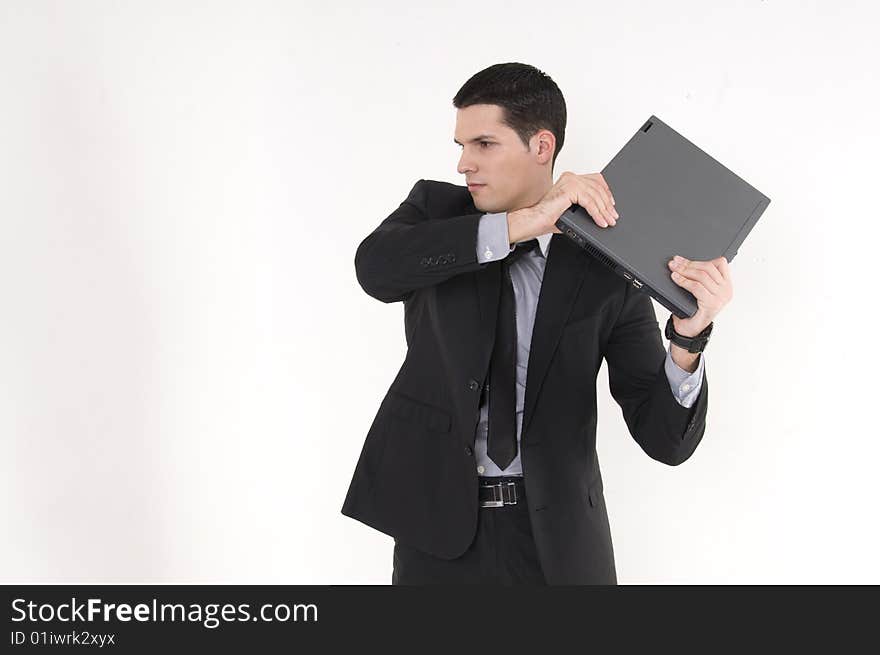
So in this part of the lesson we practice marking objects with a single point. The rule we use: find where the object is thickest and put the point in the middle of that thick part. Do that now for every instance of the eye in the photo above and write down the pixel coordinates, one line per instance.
(482, 143)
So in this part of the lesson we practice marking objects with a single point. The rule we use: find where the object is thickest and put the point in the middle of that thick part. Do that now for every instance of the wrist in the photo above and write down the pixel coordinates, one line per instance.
(694, 326)
(518, 223)
(687, 361)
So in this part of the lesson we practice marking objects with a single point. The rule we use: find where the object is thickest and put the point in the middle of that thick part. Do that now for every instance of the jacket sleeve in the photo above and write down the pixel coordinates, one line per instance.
(410, 250)
(637, 379)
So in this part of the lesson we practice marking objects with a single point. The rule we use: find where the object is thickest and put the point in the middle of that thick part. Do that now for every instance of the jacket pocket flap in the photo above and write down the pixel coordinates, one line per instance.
(416, 411)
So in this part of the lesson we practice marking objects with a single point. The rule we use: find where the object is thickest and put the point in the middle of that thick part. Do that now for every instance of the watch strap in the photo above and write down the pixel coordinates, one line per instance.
(694, 344)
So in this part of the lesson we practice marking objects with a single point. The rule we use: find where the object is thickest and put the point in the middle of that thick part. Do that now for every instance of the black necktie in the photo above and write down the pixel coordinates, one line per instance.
(502, 369)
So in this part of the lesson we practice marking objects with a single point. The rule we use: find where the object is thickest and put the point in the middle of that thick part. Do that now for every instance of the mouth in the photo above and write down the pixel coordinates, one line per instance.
(472, 187)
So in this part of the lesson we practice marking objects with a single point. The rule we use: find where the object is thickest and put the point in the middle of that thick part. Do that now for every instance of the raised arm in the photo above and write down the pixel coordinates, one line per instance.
(410, 250)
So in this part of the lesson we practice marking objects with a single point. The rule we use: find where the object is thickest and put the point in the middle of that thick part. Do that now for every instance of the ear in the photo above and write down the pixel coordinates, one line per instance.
(544, 144)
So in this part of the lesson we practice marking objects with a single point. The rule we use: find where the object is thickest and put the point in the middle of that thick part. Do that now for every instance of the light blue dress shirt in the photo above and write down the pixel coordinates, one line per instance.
(527, 273)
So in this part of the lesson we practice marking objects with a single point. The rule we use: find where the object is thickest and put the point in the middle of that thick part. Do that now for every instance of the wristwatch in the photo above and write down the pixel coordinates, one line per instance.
(692, 344)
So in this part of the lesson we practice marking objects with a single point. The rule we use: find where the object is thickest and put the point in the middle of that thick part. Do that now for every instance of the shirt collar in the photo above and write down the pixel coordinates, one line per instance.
(543, 243)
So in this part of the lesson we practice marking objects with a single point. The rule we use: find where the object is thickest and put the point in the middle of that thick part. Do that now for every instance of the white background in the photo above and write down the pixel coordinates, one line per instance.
(188, 367)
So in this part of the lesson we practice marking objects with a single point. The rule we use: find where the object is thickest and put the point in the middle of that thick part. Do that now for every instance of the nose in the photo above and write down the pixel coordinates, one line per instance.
(464, 166)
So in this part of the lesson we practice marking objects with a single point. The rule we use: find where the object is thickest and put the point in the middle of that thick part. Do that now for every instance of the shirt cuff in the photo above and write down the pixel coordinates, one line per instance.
(493, 240)
(685, 386)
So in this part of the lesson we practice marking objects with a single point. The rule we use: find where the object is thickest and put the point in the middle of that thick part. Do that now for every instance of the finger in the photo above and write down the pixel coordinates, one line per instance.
(605, 192)
(701, 276)
(694, 271)
(600, 199)
(706, 266)
(723, 267)
(604, 184)
(700, 292)
(591, 204)
(602, 180)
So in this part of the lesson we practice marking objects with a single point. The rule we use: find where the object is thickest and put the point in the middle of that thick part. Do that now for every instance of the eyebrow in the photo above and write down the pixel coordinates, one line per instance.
(482, 137)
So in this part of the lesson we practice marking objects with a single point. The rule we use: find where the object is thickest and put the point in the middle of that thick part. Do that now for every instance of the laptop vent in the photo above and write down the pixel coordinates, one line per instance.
(600, 256)
(647, 126)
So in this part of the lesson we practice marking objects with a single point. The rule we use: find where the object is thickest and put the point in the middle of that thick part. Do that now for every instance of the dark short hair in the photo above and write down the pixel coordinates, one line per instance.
(529, 100)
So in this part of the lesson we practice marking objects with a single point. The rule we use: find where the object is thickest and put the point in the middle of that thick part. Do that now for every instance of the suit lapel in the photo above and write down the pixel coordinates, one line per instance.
(564, 273)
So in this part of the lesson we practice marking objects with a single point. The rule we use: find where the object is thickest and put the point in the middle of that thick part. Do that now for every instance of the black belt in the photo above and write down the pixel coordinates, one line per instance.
(500, 491)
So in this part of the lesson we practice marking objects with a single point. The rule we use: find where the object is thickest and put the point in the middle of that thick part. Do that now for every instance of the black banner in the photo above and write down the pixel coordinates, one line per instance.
(150, 618)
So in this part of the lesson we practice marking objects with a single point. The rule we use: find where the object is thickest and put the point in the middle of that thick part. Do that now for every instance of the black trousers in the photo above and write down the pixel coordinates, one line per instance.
(502, 552)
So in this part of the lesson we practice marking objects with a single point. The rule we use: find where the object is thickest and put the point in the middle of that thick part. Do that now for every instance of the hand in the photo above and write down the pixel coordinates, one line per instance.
(711, 284)
(590, 191)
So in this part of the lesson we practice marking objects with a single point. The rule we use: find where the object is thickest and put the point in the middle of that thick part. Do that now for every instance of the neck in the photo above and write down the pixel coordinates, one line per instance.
(533, 197)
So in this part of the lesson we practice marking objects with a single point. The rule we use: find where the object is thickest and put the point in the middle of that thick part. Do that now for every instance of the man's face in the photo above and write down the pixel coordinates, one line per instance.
(512, 176)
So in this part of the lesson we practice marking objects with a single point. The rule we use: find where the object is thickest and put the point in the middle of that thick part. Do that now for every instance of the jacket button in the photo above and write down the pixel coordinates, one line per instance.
(473, 385)
(468, 450)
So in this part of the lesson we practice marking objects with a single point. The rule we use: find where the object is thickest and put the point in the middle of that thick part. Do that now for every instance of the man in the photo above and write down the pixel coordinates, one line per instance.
(481, 460)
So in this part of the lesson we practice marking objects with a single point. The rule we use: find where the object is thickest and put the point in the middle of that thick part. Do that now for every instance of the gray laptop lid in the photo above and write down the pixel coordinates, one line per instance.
(672, 199)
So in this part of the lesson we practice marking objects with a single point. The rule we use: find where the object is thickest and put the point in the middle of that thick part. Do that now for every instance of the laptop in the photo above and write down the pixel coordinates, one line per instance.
(672, 199)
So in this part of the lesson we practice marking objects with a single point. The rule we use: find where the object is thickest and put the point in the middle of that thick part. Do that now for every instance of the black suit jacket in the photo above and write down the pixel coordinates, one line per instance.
(416, 477)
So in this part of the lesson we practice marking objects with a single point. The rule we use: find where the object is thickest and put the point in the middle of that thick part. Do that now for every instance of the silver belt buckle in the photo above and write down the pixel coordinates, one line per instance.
(513, 498)
(499, 502)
